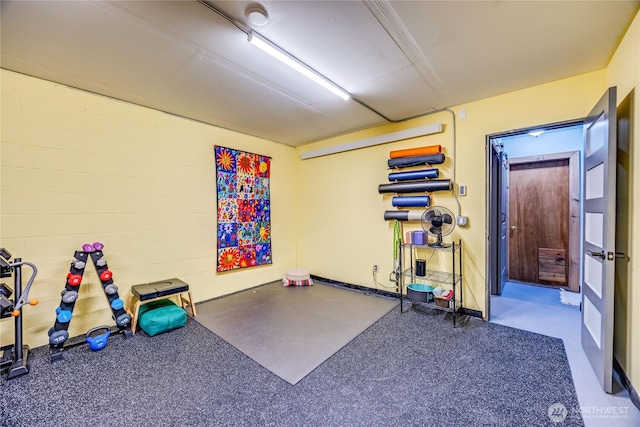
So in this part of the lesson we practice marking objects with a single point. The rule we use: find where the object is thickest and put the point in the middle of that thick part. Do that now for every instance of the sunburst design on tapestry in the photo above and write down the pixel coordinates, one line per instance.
(244, 209)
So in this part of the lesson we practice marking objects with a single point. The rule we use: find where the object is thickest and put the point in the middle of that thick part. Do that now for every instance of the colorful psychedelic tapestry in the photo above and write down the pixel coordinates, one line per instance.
(244, 210)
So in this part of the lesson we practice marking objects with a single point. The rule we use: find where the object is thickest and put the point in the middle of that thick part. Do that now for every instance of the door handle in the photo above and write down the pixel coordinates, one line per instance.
(610, 255)
(511, 230)
(597, 254)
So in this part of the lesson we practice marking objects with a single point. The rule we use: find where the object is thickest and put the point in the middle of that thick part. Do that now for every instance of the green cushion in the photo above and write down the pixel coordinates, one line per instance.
(161, 316)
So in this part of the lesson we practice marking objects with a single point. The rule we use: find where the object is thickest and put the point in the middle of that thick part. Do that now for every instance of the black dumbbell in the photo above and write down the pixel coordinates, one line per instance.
(123, 320)
(5, 267)
(5, 290)
(69, 296)
(5, 254)
(58, 337)
(6, 305)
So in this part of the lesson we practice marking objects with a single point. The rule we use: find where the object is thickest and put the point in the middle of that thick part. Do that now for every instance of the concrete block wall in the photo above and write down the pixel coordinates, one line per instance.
(79, 168)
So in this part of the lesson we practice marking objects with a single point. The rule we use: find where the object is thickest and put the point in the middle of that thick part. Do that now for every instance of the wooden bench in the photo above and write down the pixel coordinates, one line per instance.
(147, 292)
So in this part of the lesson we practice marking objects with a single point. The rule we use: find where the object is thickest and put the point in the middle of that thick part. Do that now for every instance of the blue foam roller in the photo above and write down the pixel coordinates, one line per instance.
(411, 201)
(420, 174)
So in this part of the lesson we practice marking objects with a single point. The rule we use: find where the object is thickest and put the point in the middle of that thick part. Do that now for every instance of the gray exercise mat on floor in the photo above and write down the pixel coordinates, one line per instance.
(292, 330)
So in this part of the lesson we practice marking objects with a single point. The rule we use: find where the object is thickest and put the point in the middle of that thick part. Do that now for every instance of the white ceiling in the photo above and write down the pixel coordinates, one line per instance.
(396, 58)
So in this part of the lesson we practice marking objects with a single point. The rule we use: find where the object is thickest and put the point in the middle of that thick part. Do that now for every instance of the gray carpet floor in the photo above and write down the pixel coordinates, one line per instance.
(292, 330)
(410, 369)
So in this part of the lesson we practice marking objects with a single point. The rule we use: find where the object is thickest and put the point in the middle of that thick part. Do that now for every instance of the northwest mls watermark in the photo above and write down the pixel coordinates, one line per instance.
(557, 412)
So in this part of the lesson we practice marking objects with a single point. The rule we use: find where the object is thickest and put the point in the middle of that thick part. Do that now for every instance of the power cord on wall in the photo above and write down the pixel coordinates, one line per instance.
(375, 280)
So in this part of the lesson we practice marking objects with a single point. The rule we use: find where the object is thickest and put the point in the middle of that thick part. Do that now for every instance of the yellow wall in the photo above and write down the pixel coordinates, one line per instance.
(343, 234)
(624, 73)
(342, 231)
(79, 168)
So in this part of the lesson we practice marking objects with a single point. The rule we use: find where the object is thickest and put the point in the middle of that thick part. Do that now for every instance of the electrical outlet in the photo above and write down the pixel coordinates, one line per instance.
(375, 268)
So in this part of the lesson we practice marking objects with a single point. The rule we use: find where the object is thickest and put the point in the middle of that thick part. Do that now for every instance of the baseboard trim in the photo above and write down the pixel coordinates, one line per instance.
(626, 383)
(364, 289)
(467, 311)
(470, 312)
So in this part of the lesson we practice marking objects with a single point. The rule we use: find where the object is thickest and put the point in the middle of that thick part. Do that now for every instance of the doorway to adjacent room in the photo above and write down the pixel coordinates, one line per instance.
(535, 200)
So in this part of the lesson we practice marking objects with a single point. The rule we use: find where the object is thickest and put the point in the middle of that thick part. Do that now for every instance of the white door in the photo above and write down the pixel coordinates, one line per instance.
(598, 265)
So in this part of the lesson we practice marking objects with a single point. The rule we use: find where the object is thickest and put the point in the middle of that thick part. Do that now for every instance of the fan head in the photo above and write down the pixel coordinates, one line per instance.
(438, 221)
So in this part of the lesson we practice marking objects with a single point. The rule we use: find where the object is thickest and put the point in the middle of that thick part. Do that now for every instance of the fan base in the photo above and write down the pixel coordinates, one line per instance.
(439, 245)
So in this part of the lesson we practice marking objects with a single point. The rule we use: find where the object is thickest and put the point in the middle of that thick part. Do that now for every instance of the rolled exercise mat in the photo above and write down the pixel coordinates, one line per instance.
(411, 201)
(405, 162)
(418, 151)
(403, 215)
(416, 186)
(411, 175)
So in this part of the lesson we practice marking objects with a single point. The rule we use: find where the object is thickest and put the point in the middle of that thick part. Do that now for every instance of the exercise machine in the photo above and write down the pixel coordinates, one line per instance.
(14, 357)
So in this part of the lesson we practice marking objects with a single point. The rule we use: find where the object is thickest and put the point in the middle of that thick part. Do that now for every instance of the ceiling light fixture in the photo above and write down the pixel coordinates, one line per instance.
(281, 55)
(376, 140)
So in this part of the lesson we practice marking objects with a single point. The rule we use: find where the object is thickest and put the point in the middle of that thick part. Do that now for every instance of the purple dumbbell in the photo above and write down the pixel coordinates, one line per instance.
(98, 246)
(87, 247)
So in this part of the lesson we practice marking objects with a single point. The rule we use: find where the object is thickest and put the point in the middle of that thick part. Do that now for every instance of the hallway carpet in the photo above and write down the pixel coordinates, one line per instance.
(410, 369)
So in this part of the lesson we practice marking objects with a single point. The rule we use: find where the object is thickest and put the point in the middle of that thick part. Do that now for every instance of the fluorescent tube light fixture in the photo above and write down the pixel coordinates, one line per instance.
(376, 140)
(273, 50)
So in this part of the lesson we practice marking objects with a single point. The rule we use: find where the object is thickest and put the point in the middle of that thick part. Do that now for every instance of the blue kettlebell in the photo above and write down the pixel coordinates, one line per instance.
(98, 342)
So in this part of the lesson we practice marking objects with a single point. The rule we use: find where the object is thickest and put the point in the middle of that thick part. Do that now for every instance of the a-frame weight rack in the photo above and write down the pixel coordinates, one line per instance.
(58, 334)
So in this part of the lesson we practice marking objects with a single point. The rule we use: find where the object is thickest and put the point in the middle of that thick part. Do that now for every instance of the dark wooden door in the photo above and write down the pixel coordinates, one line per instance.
(538, 222)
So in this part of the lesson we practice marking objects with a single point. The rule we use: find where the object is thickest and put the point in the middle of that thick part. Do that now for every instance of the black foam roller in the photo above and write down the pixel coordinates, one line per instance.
(416, 186)
(405, 162)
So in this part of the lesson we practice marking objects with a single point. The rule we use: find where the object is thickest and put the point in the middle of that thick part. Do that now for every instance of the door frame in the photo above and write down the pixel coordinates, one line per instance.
(492, 228)
(573, 270)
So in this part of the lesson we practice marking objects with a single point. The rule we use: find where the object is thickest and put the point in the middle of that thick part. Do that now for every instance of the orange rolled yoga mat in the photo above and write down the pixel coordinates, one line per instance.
(418, 151)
